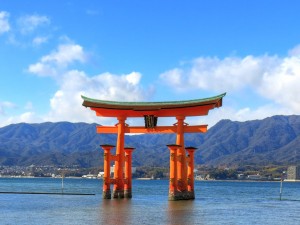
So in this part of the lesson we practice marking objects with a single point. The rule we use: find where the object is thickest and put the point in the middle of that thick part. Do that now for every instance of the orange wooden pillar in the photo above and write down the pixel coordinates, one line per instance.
(128, 172)
(181, 162)
(106, 178)
(118, 191)
(190, 172)
(173, 194)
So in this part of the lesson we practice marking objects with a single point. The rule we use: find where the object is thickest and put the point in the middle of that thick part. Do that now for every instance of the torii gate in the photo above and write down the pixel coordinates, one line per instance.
(181, 185)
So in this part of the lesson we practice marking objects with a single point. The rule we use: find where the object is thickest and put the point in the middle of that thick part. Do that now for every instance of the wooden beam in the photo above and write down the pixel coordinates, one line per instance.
(114, 157)
(185, 111)
(195, 129)
(159, 129)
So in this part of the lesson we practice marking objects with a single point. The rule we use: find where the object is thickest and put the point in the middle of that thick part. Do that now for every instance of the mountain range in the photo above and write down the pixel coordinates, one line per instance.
(274, 140)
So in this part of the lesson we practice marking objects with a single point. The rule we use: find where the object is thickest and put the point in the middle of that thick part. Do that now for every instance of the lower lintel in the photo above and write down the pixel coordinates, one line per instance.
(158, 129)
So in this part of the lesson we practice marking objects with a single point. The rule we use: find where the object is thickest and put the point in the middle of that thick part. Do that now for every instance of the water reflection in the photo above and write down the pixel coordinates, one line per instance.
(182, 212)
(115, 212)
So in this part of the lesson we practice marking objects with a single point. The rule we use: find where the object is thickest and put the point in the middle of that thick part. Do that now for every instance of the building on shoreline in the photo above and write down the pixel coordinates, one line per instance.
(293, 173)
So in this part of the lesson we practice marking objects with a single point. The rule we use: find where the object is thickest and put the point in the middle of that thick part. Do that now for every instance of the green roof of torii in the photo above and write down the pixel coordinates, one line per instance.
(96, 103)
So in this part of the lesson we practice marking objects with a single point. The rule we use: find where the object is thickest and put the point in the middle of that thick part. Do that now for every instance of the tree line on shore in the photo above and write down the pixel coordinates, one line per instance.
(205, 172)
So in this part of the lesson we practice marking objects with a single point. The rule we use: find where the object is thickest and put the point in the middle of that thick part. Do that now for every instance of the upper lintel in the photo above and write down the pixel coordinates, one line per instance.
(194, 107)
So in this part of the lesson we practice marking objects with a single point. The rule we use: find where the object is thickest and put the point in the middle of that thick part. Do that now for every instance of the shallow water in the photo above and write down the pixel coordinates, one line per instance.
(216, 203)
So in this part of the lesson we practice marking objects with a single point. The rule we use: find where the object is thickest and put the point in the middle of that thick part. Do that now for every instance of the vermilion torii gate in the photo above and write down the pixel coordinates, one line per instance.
(181, 165)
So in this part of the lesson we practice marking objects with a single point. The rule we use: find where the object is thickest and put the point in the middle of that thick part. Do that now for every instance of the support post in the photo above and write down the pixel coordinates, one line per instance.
(106, 194)
(181, 163)
(190, 172)
(173, 194)
(128, 172)
(118, 191)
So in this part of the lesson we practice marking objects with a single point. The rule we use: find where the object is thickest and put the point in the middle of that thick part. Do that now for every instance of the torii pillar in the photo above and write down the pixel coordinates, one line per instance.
(173, 192)
(181, 159)
(190, 172)
(106, 178)
(118, 191)
(128, 172)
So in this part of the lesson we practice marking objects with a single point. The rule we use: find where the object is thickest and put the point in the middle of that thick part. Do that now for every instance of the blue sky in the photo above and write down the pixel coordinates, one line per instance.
(51, 52)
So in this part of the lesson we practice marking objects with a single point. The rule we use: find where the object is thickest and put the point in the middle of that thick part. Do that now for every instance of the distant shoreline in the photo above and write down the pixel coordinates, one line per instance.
(146, 179)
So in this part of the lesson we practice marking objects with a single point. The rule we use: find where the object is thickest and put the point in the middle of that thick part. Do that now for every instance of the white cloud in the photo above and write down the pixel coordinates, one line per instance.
(58, 61)
(7, 118)
(133, 78)
(295, 51)
(220, 75)
(65, 55)
(66, 104)
(39, 40)
(26, 117)
(4, 23)
(268, 77)
(26, 31)
(274, 78)
(175, 78)
(282, 85)
(29, 117)
(42, 69)
(30, 23)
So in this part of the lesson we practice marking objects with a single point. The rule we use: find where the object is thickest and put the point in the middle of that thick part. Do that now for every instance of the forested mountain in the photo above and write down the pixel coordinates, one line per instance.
(274, 140)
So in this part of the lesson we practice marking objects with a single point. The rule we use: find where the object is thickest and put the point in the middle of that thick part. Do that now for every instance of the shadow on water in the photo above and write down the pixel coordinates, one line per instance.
(116, 212)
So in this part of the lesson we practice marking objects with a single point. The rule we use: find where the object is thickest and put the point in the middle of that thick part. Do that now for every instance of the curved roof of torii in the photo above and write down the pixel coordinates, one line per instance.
(195, 107)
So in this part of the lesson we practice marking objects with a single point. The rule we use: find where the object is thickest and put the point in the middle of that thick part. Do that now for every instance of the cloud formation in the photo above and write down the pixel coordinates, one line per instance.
(29, 23)
(59, 60)
(274, 78)
(66, 103)
(4, 23)
(26, 31)
(220, 75)
(39, 40)
(26, 117)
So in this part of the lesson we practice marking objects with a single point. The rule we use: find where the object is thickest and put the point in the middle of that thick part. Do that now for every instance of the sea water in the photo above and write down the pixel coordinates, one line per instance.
(217, 202)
